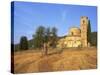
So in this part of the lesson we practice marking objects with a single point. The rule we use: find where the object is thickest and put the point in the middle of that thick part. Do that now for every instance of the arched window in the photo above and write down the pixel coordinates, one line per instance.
(71, 33)
(83, 21)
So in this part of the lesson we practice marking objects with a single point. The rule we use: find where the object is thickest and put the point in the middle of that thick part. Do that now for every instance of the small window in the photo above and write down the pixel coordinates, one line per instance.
(83, 21)
(71, 33)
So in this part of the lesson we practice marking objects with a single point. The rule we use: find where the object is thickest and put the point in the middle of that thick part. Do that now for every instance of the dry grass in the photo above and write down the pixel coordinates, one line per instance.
(69, 59)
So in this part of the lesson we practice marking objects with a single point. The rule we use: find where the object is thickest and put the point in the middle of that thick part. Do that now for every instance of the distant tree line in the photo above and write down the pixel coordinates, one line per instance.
(41, 36)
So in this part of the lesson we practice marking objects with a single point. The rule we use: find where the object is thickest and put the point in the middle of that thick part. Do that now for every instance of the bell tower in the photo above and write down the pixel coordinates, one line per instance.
(84, 30)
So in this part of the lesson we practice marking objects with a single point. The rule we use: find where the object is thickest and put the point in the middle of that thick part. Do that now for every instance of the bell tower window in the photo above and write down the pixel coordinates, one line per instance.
(83, 21)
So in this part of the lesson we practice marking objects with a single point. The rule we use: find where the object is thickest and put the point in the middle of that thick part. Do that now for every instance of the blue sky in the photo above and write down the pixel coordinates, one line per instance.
(28, 16)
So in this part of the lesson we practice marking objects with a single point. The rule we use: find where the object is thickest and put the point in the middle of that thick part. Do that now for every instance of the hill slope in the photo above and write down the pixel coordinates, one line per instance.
(68, 59)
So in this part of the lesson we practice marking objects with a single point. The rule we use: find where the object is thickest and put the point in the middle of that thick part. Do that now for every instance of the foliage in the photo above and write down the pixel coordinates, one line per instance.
(91, 36)
(89, 32)
(38, 38)
(53, 37)
(23, 43)
(94, 38)
(44, 35)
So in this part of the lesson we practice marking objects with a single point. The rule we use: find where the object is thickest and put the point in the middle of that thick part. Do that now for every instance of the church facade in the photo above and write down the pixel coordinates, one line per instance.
(77, 37)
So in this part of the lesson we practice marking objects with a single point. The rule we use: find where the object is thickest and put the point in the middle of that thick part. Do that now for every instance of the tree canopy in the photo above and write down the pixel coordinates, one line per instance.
(23, 43)
(44, 35)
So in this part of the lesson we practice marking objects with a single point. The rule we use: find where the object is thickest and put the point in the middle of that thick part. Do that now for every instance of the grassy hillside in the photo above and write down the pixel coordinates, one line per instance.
(68, 59)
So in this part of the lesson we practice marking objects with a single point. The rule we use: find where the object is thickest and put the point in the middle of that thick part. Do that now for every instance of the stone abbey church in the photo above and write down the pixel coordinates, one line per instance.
(77, 37)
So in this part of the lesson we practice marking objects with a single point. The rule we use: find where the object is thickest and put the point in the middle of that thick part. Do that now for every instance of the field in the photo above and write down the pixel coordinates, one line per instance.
(56, 60)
